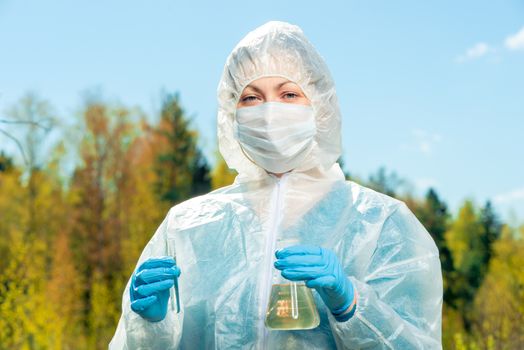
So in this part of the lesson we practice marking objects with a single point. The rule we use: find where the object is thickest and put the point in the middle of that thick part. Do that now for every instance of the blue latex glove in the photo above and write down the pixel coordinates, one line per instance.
(320, 268)
(150, 285)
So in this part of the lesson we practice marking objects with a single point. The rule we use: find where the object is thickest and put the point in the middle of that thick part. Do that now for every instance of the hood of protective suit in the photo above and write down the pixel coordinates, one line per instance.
(279, 49)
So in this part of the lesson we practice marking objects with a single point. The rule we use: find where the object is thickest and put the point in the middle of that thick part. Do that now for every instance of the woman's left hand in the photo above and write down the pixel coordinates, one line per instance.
(320, 269)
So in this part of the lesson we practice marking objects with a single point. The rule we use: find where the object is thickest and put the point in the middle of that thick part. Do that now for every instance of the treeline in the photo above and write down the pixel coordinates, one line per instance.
(69, 240)
(481, 259)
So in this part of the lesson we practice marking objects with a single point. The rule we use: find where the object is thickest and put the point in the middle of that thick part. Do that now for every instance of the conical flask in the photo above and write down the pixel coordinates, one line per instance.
(291, 304)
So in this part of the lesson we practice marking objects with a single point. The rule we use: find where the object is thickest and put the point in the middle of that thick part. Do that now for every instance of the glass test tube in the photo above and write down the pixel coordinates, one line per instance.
(293, 285)
(294, 300)
(173, 254)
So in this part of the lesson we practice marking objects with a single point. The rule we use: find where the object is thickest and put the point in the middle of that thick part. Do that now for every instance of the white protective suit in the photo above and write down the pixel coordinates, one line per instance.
(225, 240)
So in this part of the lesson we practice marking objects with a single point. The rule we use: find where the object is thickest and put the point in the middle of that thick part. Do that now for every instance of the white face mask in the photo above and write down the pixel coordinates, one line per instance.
(276, 136)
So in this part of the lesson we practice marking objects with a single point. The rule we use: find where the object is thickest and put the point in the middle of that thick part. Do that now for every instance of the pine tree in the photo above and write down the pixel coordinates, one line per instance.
(492, 230)
(464, 239)
(433, 214)
(182, 170)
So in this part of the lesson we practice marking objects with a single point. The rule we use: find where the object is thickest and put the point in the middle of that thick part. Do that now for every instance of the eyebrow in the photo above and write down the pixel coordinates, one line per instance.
(278, 86)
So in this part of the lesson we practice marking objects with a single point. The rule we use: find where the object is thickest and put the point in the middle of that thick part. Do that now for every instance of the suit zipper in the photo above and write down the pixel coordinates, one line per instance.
(275, 219)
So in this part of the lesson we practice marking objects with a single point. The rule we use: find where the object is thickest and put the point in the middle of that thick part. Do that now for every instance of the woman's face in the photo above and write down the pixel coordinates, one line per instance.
(272, 89)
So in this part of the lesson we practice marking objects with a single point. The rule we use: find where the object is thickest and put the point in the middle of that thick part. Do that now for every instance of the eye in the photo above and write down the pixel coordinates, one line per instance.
(249, 98)
(290, 95)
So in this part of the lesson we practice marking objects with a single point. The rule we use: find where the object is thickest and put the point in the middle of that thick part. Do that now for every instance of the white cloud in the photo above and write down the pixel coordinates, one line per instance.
(515, 41)
(510, 197)
(425, 141)
(474, 52)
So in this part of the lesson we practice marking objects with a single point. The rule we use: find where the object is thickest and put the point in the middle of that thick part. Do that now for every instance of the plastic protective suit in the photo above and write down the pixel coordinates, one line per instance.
(225, 240)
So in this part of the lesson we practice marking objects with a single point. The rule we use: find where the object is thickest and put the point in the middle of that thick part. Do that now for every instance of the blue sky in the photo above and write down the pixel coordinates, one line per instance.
(433, 91)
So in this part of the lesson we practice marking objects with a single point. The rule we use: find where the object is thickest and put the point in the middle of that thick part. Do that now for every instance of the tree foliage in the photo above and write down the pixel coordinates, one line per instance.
(221, 175)
(499, 304)
(181, 168)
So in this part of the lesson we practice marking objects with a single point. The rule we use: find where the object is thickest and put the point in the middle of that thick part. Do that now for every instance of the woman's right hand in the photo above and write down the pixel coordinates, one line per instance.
(150, 286)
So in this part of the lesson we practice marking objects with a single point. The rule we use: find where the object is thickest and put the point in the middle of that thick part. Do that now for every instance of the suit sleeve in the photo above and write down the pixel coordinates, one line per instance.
(399, 303)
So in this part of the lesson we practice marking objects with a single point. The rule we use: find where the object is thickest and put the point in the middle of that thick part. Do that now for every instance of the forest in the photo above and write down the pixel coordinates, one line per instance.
(77, 210)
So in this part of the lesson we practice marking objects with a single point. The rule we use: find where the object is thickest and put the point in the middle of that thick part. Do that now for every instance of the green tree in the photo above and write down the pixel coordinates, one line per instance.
(464, 239)
(499, 303)
(6, 162)
(182, 169)
(492, 230)
(385, 183)
(221, 175)
(433, 214)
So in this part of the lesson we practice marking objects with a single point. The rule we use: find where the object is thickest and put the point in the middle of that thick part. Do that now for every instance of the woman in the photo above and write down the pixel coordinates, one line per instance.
(373, 267)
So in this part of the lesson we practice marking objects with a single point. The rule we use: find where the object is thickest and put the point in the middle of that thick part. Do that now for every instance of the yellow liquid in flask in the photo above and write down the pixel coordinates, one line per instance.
(286, 313)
